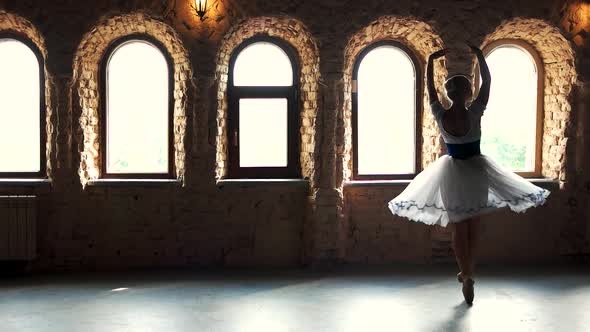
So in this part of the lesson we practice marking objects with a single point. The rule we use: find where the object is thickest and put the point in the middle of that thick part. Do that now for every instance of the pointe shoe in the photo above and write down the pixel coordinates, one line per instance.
(468, 291)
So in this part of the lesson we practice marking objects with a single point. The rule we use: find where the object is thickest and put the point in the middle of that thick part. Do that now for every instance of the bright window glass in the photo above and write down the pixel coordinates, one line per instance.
(20, 114)
(386, 113)
(263, 64)
(510, 121)
(263, 132)
(137, 109)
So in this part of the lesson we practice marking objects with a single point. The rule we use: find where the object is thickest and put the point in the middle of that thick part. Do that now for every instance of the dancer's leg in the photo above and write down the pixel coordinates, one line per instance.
(473, 242)
(461, 246)
(469, 260)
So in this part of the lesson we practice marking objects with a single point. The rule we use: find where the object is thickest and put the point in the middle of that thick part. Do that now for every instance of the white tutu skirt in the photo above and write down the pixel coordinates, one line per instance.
(451, 190)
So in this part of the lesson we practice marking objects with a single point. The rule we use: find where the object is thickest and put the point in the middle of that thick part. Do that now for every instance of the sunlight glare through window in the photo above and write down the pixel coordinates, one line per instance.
(137, 111)
(20, 127)
(263, 132)
(263, 64)
(510, 120)
(386, 112)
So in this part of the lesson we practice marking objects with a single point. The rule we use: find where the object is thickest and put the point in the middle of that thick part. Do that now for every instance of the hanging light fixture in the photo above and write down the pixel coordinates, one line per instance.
(200, 7)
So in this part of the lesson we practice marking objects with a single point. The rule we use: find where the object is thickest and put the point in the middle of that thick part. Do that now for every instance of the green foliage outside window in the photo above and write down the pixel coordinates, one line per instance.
(507, 154)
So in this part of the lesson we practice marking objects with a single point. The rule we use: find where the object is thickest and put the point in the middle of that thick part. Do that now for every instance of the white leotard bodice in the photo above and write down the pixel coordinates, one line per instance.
(475, 111)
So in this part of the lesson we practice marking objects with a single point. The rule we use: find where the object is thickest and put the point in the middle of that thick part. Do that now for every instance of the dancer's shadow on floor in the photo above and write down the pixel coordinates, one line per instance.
(457, 321)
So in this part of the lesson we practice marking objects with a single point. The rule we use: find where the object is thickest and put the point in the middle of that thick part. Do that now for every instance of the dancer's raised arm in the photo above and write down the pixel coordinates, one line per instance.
(432, 95)
(486, 78)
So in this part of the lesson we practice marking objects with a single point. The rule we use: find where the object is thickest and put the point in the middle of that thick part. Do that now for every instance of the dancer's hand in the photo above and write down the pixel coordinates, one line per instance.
(430, 74)
(473, 48)
(438, 54)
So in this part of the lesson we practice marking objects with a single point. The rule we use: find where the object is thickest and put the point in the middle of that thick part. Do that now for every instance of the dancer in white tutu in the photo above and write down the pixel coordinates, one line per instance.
(463, 184)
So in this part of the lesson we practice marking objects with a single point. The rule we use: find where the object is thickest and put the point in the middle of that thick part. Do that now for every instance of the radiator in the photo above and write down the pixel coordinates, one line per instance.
(18, 223)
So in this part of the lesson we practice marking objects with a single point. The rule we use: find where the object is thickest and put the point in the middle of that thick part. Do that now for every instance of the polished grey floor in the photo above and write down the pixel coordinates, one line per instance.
(346, 299)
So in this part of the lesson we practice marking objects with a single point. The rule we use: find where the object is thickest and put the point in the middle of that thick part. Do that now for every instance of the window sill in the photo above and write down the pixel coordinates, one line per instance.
(377, 183)
(134, 182)
(546, 183)
(39, 182)
(244, 183)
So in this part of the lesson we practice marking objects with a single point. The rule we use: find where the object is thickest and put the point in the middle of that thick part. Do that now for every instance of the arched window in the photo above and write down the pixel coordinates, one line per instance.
(385, 122)
(263, 119)
(137, 101)
(22, 108)
(512, 124)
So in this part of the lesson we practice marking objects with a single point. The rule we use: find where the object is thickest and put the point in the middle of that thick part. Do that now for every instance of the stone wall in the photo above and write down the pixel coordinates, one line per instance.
(203, 222)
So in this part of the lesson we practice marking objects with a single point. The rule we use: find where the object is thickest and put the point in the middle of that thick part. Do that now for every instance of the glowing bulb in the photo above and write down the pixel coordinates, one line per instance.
(201, 8)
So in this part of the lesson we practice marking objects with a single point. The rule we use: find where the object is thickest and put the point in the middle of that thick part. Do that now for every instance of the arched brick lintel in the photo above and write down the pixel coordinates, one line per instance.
(300, 38)
(423, 40)
(85, 87)
(558, 57)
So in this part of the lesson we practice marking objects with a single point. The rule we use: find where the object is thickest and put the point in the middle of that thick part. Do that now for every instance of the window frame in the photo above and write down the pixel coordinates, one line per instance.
(540, 66)
(291, 93)
(103, 78)
(411, 54)
(42, 173)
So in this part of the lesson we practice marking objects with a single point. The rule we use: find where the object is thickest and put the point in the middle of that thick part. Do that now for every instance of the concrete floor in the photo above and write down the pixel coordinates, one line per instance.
(385, 299)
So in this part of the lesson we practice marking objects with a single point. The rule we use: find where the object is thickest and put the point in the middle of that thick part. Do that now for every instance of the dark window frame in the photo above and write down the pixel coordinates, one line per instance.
(291, 93)
(42, 173)
(418, 110)
(540, 66)
(103, 78)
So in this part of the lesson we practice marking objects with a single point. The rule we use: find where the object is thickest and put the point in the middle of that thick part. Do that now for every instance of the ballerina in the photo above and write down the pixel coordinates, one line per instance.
(459, 187)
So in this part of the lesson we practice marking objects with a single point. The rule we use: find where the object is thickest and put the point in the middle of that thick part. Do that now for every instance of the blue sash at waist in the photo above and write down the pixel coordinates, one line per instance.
(464, 150)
